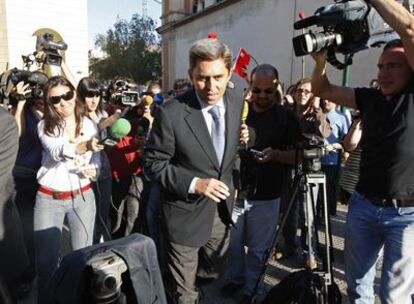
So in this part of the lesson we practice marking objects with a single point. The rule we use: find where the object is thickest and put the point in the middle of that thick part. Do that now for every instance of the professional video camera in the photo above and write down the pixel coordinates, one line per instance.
(50, 48)
(349, 26)
(9, 80)
(313, 150)
(125, 92)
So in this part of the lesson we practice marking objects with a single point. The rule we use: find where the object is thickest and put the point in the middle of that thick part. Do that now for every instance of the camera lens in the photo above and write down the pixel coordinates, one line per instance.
(110, 282)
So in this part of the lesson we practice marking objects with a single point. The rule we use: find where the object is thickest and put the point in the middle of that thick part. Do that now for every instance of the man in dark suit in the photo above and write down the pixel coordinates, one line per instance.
(191, 153)
(12, 250)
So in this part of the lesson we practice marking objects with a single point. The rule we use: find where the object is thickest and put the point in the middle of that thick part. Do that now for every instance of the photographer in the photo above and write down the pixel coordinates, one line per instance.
(381, 209)
(312, 122)
(263, 173)
(27, 113)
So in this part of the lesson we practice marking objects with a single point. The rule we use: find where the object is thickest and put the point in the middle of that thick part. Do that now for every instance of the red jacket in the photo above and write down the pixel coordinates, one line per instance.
(125, 159)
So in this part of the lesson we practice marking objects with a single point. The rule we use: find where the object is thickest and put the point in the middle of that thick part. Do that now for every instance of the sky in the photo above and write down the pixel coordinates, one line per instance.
(102, 14)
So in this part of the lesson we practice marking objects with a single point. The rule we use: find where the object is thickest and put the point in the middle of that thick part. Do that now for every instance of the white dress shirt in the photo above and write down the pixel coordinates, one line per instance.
(209, 121)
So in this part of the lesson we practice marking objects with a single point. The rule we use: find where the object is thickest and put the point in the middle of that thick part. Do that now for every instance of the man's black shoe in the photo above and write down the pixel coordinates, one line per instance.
(230, 289)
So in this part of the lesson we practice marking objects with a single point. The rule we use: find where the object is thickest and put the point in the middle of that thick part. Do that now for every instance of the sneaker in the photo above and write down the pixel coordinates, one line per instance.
(230, 289)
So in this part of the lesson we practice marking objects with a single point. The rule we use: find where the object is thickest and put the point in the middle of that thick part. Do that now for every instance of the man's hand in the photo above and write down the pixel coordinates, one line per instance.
(22, 89)
(212, 188)
(244, 134)
(269, 155)
(320, 57)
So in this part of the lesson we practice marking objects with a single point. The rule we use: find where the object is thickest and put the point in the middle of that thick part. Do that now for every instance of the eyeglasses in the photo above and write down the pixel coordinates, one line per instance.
(91, 94)
(67, 96)
(300, 91)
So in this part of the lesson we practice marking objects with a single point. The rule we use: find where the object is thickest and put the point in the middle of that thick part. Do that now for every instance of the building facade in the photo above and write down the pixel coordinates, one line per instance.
(20, 19)
(263, 27)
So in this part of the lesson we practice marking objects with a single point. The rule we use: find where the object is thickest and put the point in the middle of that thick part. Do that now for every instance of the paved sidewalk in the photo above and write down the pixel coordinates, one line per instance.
(279, 269)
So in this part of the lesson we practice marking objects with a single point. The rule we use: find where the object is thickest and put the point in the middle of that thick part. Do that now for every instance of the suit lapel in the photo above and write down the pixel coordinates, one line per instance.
(197, 124)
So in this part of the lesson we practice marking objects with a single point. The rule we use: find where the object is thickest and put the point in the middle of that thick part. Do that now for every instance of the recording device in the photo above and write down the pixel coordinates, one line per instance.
(349, 26)
(105, 284)
(10, 79)
(117, 131)
(50, 48)
(125, 93)
(257, 153)
(312, 148)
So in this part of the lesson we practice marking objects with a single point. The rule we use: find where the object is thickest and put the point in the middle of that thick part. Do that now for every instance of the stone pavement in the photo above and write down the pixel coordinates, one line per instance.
(279, 269)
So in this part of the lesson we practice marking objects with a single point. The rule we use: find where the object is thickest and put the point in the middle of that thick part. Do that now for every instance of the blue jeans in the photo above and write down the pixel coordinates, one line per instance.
(256, 223)
(369, 229)
(49, 214)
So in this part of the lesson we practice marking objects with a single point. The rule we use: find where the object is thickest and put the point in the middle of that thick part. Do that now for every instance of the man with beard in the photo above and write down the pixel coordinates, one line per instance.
(262, 175)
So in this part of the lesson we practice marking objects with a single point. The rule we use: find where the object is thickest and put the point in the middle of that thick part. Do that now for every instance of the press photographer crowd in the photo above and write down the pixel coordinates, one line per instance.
(163, 193)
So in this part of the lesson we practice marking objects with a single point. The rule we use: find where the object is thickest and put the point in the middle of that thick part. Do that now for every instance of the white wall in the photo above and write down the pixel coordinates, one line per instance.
(265, 29)
(68, 18)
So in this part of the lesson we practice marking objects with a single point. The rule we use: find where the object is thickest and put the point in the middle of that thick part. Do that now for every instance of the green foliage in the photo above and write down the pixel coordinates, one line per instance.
(133, 51)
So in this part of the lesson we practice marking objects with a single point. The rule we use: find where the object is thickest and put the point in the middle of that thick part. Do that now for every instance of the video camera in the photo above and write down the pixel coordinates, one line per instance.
(46, 44)
(349, 26)
(9, 80)
(125, 92)
(312, 148)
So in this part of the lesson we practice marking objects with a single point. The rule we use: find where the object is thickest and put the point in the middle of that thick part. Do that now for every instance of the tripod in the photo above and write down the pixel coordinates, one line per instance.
(304, 182)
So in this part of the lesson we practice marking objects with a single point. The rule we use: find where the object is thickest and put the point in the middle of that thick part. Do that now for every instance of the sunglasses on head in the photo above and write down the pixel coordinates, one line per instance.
(67, 96)
(93, 94)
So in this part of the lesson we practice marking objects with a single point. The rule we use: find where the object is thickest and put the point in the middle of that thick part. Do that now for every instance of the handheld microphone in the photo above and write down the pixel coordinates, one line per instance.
(117, 131)
(148, 100)
(245, 112)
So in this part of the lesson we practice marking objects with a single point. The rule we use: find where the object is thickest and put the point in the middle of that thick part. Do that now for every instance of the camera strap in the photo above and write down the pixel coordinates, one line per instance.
(331, 58)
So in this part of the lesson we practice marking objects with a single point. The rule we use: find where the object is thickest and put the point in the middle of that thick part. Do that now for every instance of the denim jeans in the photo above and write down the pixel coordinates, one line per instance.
(49, 215)
(369, 229)
(256, 223)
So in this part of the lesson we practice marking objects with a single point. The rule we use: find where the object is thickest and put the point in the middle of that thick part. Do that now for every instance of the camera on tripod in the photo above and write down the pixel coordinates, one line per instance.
(349, 26)
(10, 79)
(313, 150)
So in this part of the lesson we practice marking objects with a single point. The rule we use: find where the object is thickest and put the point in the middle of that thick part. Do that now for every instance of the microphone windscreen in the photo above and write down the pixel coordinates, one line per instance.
(148, 100)
(245, 111)
(119, 129)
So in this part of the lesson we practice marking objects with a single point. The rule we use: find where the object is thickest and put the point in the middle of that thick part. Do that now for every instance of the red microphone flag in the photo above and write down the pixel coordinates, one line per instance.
(242, 61)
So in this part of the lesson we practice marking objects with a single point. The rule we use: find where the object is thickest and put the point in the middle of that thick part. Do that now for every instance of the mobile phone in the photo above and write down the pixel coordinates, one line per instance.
(257, 153)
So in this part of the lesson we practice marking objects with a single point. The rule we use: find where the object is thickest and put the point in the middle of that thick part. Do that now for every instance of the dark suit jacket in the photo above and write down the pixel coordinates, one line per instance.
(12, 250)
(179, 149)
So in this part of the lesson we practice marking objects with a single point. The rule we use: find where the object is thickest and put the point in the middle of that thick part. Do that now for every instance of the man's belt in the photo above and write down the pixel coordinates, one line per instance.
(390, 202)
(64, 194)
